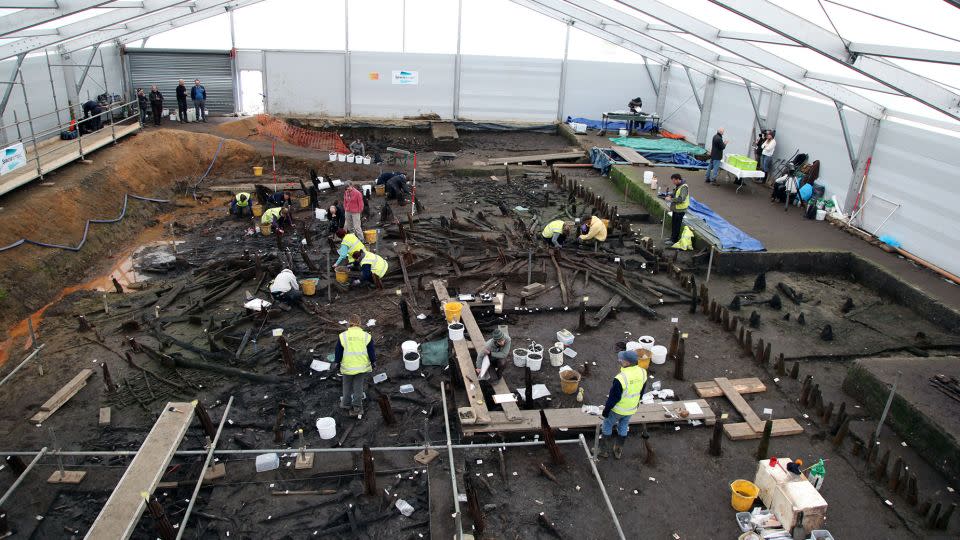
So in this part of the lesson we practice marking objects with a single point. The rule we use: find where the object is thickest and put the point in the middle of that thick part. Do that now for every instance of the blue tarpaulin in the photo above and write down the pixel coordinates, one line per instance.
(730, 237)
(611, 124)
(686, 160)
(600, 160)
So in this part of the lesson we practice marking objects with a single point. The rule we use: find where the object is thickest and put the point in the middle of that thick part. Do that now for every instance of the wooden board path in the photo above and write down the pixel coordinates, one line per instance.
(752, 427)
(126, 504)
(535, 158)
(62, 396)
(749, 385)
(631, 155)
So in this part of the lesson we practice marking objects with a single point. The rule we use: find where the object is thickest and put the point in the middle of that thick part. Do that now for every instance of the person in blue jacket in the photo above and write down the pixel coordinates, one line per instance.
(199, 96)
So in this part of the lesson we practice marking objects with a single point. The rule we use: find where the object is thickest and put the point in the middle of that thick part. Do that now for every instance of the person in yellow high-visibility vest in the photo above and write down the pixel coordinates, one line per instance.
(679, 202)
(240, 203)
(357, 357)
(622, 402)
(555, 233)
(372, 268)
(349, 244)
(278, 217)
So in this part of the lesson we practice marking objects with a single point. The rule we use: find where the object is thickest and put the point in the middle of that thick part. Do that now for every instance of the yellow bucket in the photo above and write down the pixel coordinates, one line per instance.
(380, 189)
(342, 275)
(309, 286)
(569, 381)
(452, 310)
(304, 202)
(257, 210)
(258, 171)
(370, 236)
(743, 493)
(266, 229)
(643, 358)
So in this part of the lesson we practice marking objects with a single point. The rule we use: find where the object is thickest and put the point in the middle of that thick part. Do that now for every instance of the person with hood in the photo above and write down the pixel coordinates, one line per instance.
(182, 102)
(623, 400)
(382, 179)
(593, 229)
(285, 287)
(92, 110)
(397, 188)
(156, 105)
(199, 96)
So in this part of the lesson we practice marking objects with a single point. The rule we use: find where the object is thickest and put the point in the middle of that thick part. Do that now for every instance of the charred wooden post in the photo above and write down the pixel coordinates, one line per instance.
(278, 426)
(841, 414)
(548, 438)
(674, 342)
(725, 318)
(84, 324)
(405, 315)
(386, 409)
(841, 434)
(933, 515)
(758, 351)
(805, 390)
(286, 354)
(716, 438)
(679, 360)
(4, 525)
(748, 342)
(16, 464)
(763, 450)
(911, 494)
(306, 259)
(116, 285)
(779, 365)
(827, 413)
(107, 379)
(795, 371)
(548, 525)
(881, 470)
(161, 522)
(754, 319)
(582, 323)
(944, 520)
(369, 473)
(712, 310)
(126, 354)
(528, 390)
(894, 481)
(208, 428)
(473, 506)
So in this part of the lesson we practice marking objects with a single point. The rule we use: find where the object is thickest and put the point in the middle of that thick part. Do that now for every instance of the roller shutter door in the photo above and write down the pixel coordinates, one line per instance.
(165, 67)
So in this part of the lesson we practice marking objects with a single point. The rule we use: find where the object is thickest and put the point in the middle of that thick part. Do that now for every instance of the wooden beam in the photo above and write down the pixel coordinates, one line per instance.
(781, 427)
(631, 156)
(750, 385)
(536, 158)
(126, 504)
(740, 404)
(563, 286)
(470, 382)
(63, 395)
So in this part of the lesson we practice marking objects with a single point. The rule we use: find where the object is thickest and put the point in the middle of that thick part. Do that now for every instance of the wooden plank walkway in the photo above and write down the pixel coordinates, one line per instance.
(536, 158)
(631, 155)
(126, 504)
(62, 396)
(57, 153)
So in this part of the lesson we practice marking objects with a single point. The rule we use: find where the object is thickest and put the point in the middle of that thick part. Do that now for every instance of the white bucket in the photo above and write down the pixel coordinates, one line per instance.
(367, 160)
(633, 345)
(534, 361)
(333, 156)
(653, 184)
(659, 354)
(409, 346)
(456, 331)
(320, 214)
(536, 348)
(520, 357)
(647, 177)
(647, 342)
(623, 133)
(556, 356)
(327, 427)
(341, 157)
(821, 215)
(411, 361)
(267, 462)
(351, 158)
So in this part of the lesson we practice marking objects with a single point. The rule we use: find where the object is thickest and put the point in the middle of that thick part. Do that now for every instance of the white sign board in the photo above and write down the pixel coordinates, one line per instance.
(14, 157)
(405, 77)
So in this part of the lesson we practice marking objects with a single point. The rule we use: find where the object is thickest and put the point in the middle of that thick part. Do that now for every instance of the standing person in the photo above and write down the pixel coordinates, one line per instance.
(156, 105)
(357, 357)
(144, 104)
(285, 287)
(717, 147)
(199, 96)
(622, 402)
(678, 205)
(353, 207)
(498, 350)
(766, 155)
(182, 102)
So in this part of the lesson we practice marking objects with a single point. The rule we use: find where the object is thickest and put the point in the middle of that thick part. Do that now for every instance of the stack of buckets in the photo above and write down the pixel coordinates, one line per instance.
(411, 355)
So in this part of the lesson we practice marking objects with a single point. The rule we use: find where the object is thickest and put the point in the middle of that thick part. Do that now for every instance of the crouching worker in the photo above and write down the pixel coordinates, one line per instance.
(278, 218)
(349, 244)
(555, 233)
(285, 287)
(497, 349)
(357, 358)
(240, 203)
(372, 268)
(593, 229)
(622, 402)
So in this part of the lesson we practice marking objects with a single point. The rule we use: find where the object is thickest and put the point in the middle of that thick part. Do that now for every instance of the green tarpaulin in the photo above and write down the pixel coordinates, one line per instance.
(434, 353)
(667, 146)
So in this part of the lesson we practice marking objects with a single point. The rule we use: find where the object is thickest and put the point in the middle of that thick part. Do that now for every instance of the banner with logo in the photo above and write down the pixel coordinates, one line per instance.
(14, 157)
(406, 77)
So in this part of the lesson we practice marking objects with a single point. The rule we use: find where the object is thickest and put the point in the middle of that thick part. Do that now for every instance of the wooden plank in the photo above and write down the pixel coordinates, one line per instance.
(66, 477)
(470, 381)
(563, 285)
(535, 158)
(739, 403)
(574, 418)
(631, 155)
(750, 385)
(62, 396)
(104, 416)
(250, 188)
(781, 427)
(443, 130)
(604, 312)
(126, 504)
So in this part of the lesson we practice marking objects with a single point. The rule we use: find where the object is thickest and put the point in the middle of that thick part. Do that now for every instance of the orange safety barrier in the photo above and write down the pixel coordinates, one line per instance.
(668, 135)
(307, 138)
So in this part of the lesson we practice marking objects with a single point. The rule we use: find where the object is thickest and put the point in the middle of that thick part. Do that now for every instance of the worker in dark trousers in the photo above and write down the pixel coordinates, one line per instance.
(156, 105)
(182, 102)
(679, 202)
(397, 188)
(92, 119)
(144, 104)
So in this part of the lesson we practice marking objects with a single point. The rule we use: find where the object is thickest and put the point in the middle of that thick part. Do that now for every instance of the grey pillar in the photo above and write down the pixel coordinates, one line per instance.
(457, 63)
(705, 111)
(563, 75)
(233, 65)
(70, 81)
(773, 110)
(662, 90)
(346, 57)
(871, 131)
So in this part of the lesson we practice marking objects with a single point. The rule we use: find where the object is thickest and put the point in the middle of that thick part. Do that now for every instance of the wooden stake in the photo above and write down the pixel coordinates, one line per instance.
(716, 438)
(763, 450)
(204, 419)
(369, 473)
(795, 371)
(679, 360)
(548, 438)
(386, 409)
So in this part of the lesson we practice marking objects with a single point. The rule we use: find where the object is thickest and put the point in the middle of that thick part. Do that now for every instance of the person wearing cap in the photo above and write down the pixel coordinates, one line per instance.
(357, 357)
(353, 207)
(555, 233)
(372, 268)
(497, 349)
(240, 203)
(622, 402)
(679, 202)
(349, 244)
(593, 229)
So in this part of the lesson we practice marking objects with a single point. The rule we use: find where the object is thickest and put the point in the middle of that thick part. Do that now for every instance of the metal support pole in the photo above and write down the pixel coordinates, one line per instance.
(453, 468)
(346, 58)
(709, 265)
(848, 141)
(33, 133)
(755, 104)
(109, 111)
(529, 266)
(23, 363)
(871, 131)
(233, 65)
(706, 110)
(773, 110)
(693, 88)
(53, 88)
(886, 408)
(86, 68)
(561, 98)
(457, 64)
(403, 27)
(664, 83)
(16, 483)
(203, 470)
(603, 489)
(653, 82)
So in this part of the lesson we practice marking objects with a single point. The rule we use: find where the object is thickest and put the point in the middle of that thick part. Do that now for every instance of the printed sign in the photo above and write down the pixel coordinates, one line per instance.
(406, 77)
(374, 75)
(14, 157)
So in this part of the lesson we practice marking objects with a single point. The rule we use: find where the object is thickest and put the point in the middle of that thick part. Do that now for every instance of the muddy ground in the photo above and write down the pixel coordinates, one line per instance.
(683, 493)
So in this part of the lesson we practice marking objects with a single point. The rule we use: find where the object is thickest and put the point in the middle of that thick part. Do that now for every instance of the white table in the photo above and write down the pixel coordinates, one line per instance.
(740, 174)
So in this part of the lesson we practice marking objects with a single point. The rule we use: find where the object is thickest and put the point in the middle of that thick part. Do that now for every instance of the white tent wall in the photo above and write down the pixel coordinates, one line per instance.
(915, 167)
(680, 113)
(594, 88)
(507, 88)
(733, 112)
(301, 83)
(373, 92)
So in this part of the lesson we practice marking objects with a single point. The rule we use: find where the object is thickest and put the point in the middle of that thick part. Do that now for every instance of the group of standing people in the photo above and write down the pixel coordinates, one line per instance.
(154, 102)
(764, 148)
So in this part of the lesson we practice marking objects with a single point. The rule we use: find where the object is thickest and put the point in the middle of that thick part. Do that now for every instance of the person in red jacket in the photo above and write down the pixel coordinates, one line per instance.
(353, 207)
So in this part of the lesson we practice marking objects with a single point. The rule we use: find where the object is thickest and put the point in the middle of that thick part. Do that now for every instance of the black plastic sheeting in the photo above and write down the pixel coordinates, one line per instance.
(461, 125)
